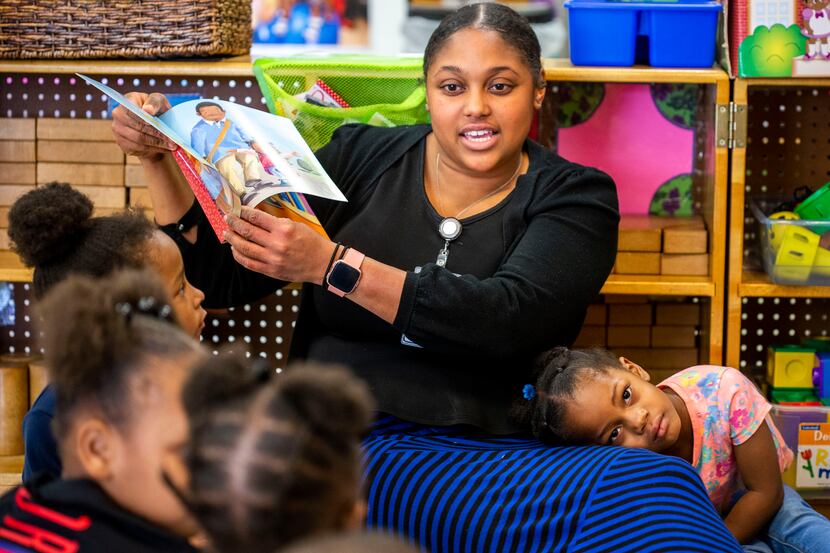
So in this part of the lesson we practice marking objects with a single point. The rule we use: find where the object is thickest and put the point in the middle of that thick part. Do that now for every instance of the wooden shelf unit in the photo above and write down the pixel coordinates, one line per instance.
(716, 82)
(795, 139)
(710, 288)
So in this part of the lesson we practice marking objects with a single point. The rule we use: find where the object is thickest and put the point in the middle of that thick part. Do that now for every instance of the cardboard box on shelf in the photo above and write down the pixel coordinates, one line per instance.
(621, 314)
(17, 129)
(17, 151)
(81, 174)
(631, 336)
(87, 130)
(694, 264)
(73, 151)
(637, 263)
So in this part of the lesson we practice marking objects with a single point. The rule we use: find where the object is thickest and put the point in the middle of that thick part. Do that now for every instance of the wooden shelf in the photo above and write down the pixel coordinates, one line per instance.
(239, 66)
(659, 285)
(757, 284)
(12, 269)
(563, 70)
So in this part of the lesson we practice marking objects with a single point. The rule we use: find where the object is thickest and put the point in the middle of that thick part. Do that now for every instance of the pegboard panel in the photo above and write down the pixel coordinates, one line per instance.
(773, 321)
(788, 147)
(262, 329)
(67, 96)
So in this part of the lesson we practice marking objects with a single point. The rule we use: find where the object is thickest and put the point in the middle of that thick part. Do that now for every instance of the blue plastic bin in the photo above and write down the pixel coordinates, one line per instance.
(679, 34)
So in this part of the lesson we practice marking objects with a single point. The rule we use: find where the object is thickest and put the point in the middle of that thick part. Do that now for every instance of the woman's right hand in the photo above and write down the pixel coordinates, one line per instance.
(134, 136)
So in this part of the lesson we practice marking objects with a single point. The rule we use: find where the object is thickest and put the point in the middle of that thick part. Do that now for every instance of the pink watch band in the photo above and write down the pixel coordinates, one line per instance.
(354, 259)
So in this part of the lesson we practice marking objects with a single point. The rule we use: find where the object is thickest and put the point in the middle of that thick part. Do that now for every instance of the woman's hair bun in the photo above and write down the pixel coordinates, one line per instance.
(46, 223)
(329, 398)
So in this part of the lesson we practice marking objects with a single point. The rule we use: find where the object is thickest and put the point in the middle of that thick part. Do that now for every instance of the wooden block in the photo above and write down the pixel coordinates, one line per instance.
(622, 314)
(5, 243)
(133, 160)
(685, 240)
(591, 336)
(17, 150)
(73, 151)
(140, 197)
(134, 176)
(75, 129)
(10, 192)
(14, 402)
(38, 379)
(17, 129)
(674, 336)
(692, 264)
(633, 336)
(81, 174)
(660, 359)
(105, 196)
(4, 217)
(677, 314)
(638, 234)
(18, 173)
(597, 314)
(622, 298)
(98, 211)
(638, 263)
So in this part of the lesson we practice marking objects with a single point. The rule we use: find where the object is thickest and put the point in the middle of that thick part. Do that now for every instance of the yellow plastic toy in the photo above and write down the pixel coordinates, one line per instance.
(790, 366)
(797, 255)
(776, 232)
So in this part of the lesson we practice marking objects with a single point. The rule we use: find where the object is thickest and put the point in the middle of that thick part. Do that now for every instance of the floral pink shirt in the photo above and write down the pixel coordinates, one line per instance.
(726, 409)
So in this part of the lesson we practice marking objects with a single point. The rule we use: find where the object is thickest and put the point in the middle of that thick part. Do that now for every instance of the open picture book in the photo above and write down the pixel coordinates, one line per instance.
(233, 155)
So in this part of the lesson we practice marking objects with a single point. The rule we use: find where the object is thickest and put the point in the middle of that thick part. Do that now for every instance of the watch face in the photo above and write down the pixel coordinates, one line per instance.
(344, 277)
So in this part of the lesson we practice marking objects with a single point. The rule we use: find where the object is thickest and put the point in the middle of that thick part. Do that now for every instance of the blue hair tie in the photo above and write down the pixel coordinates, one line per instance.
(529, 391)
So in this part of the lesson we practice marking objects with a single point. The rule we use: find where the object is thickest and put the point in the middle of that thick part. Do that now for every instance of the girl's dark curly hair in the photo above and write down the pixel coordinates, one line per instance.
(273, 459)
(97, 332)
(54, 232)
(512, 27)
(560, 371)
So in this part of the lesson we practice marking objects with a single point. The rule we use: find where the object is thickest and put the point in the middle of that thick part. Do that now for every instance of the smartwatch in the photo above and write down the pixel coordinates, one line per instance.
(345, 273)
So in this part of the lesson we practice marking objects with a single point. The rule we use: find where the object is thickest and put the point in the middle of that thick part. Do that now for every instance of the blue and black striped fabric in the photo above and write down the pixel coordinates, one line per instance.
(451, 492)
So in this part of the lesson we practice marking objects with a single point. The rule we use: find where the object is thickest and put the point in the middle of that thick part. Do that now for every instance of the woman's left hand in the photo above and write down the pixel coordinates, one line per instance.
(278, 247)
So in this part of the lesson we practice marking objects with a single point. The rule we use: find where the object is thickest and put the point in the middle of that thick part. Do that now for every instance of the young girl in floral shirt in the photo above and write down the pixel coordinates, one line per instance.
(713, 417)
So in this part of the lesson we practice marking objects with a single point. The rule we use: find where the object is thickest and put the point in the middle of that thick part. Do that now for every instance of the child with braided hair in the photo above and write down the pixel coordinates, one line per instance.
(712, 417)
(118, 363)
(273, 459)
(55, 232)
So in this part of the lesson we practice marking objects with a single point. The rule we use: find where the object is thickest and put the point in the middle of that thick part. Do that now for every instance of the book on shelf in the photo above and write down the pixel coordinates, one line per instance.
(233, 155)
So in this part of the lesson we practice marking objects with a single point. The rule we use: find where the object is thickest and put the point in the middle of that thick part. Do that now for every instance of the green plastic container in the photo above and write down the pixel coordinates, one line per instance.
(386, 91)
(816, 208)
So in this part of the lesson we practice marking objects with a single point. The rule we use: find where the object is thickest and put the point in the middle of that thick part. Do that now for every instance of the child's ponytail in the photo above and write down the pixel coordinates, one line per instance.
(543, 404)
(96, 331)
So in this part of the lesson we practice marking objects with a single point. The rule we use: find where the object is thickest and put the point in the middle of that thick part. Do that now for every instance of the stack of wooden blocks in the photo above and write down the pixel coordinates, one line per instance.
(651, 245)
(22, 378)
(81, 152)
(661, 336)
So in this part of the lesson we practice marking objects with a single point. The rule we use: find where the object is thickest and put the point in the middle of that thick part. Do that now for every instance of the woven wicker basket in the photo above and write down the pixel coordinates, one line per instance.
(76, 29)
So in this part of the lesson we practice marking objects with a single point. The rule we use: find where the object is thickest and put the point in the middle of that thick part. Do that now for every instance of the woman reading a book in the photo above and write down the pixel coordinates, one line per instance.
(464, 250)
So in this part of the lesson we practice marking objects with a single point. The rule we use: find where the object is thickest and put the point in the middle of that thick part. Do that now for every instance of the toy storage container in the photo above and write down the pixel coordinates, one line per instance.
(793, 251)
(378, 90)
(786, 419)
(607, 32)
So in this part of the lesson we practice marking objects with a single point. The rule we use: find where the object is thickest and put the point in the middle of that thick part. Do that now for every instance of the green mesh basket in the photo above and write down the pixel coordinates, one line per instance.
(378, 90)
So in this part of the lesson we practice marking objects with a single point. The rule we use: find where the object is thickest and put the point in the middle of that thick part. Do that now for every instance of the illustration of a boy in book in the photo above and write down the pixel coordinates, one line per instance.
(229, 148)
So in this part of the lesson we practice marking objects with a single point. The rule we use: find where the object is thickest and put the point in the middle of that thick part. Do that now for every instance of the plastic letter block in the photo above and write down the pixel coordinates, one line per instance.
(790, 367)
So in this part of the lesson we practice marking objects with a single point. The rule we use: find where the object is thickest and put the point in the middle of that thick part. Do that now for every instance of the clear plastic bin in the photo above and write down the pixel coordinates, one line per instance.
(793, 252)
(786, 419)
